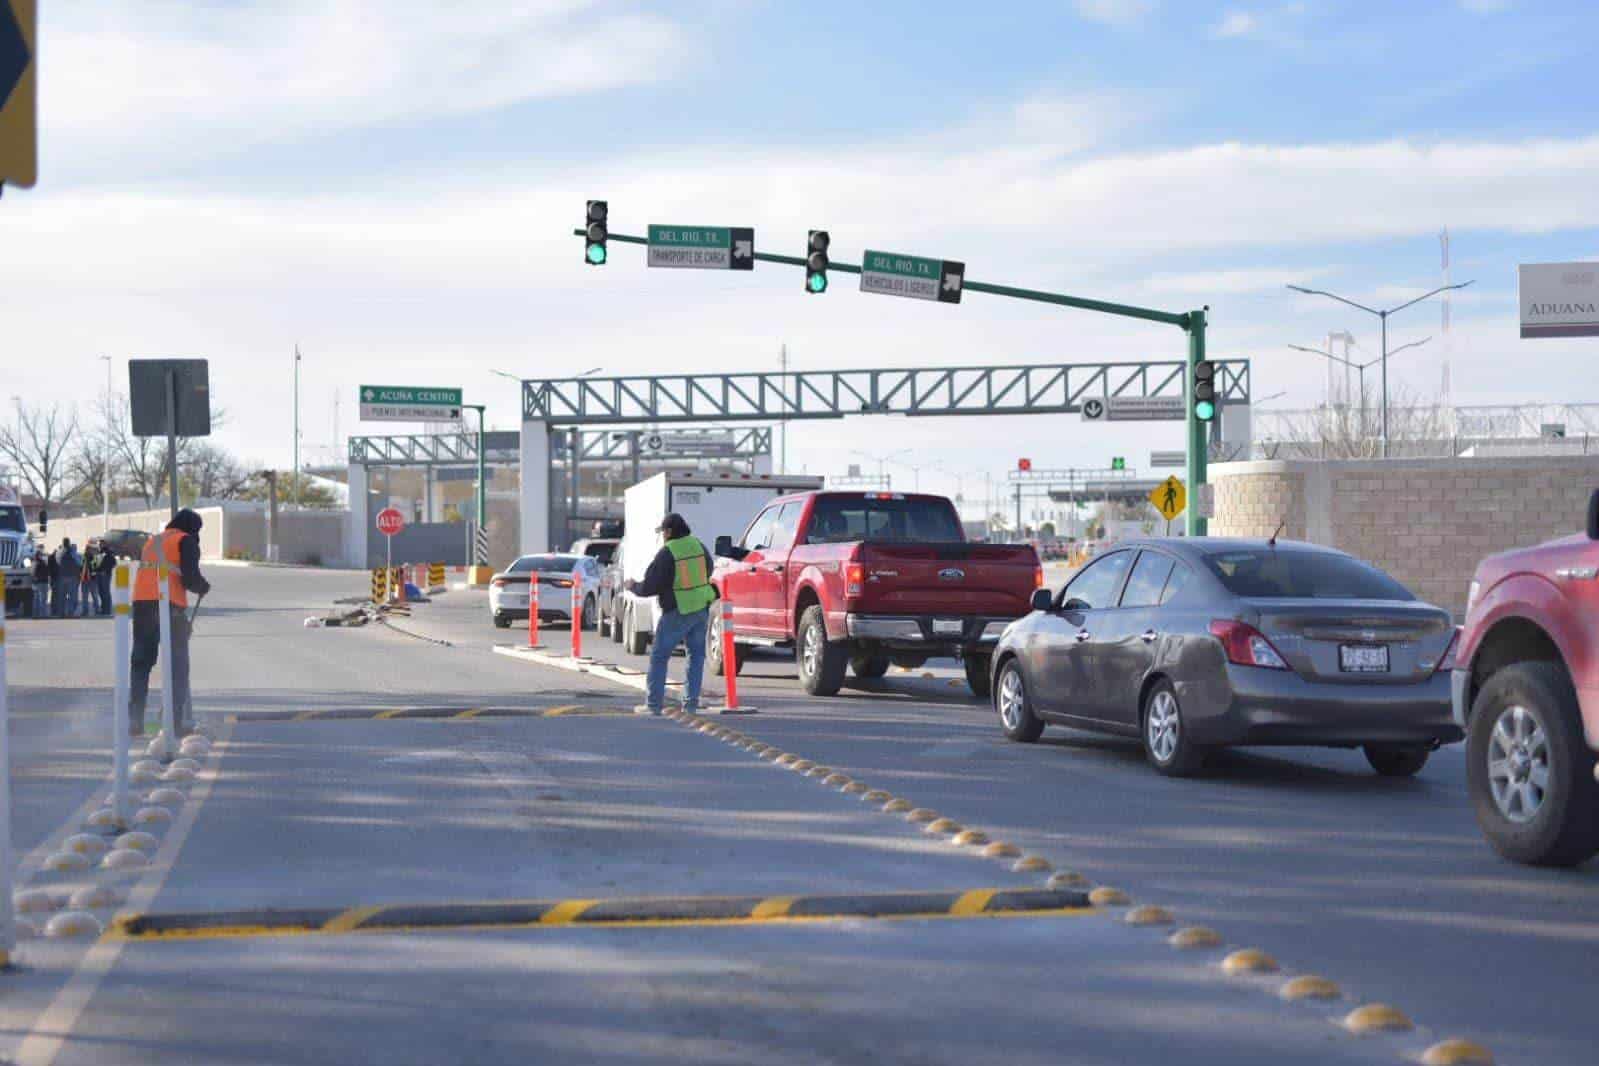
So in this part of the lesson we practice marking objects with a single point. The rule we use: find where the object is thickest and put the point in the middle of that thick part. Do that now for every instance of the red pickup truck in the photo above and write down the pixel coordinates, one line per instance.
(1526, 691)
(862, 580)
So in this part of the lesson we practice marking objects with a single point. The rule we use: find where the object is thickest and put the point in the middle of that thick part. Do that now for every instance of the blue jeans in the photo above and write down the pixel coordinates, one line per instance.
(674, 629)
(69, 597)
(41, 599)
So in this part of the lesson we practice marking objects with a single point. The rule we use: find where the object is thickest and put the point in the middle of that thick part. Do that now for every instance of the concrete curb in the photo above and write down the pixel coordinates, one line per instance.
(685, 910)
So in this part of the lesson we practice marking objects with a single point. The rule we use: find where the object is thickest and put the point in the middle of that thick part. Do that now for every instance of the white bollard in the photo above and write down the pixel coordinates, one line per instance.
(168, 712)
(8, 925)
(122, 623)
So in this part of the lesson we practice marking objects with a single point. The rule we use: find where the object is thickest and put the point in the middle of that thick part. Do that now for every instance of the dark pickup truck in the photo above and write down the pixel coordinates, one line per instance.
(863, 580)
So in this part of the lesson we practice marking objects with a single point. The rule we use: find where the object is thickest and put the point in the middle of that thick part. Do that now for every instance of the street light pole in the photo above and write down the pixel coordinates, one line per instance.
(481, 487)
(105, 468)
(1382, 316)
(296, 425)
(1360, 370)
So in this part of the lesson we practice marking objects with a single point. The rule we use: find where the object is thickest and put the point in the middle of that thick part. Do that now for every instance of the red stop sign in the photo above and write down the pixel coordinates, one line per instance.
(390, 521)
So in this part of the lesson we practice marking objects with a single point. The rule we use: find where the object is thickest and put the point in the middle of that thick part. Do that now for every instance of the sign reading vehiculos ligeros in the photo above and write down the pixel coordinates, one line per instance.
(1560, 299)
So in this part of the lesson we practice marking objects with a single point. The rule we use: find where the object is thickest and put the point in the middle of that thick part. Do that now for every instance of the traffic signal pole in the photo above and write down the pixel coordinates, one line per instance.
(1191, 322)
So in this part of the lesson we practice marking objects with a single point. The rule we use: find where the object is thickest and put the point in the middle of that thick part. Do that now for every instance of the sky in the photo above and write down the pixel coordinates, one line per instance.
(392, 186)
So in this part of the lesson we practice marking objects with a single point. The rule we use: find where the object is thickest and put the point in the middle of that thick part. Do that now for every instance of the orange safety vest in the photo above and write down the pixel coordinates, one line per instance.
(144, 585)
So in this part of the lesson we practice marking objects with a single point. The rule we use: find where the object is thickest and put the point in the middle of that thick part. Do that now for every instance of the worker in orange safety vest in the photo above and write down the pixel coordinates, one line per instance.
(179, 546)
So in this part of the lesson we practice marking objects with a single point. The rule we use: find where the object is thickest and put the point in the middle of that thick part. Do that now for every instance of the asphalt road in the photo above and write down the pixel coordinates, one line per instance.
(1383, 887)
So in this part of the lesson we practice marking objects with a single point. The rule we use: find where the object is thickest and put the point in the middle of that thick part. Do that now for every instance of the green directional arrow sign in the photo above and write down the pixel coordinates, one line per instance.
(893, 274)
(702, 247)
(401, 403)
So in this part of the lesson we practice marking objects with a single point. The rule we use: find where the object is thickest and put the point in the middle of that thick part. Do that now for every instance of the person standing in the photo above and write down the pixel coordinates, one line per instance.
(71, 566)
(179, 546)
(52, 567)
(679, 577)
(104, 568)
(41, 583)
(86, 586)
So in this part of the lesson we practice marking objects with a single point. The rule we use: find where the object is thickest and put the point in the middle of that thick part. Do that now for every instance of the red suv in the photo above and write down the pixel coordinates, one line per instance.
(1526, 690)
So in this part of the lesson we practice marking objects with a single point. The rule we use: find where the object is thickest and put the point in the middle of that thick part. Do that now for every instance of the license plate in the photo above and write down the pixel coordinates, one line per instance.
(1363, 658)
(948, 627)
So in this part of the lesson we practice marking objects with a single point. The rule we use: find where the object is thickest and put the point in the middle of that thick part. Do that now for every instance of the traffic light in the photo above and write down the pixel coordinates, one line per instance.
(594, 236)
(1204, 390)
(816, 260)
(1118, 462)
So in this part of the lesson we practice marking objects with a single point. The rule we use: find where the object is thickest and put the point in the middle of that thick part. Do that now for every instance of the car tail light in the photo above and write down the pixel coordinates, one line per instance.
(500, 582)
(854, 574)
(562, 583)
(1448, 660)
(1245, 645)
(1038, 577)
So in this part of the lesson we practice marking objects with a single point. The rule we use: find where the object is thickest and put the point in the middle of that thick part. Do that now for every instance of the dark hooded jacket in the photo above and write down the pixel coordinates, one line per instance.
(189, 523)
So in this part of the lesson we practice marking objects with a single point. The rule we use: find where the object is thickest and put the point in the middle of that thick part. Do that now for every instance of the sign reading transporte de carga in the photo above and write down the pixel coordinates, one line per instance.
(1560, 299)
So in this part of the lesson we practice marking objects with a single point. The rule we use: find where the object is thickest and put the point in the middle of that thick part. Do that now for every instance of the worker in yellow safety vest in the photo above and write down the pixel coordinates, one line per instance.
(680, 578)
(179, 546)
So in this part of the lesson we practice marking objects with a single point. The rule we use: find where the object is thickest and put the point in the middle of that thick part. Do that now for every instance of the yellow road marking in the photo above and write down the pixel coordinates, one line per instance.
(304, 716)
(563, 709)
(349, 919)
(473, 713)
(972, 902)
(776, 907)
(566, 911)
(394, 713)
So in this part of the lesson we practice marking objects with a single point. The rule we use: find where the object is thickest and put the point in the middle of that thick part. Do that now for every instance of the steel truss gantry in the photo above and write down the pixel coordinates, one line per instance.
(1039, 388)
(450, 449)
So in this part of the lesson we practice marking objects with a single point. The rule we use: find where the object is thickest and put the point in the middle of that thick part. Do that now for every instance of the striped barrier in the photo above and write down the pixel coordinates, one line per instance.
(380, 585)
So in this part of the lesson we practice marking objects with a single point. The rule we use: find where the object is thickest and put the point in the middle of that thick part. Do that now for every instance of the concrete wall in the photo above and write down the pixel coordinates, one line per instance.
(1425, 521)
(81, 530)
(231, 530)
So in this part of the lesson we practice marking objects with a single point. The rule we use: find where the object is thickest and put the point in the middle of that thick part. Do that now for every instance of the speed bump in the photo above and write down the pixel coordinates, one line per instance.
(1148, 914)
(947, 826)
(787, 759)
(1001, 849)
(1309, 987)
(124, 859)
(1377, 1018)
(152, 816)
(1032, 864)
(72, 923)
(689, 910)
(93, 897)
(1066, 879)
(138, 840)
(801, 766)
(970, 838)
(1247, 961)
(185, 763)
(1457, 1053)
(177, 775)
(36, 901)
(836, 780)
(66, 861)
(164, 797)
(1195, 936)
(853, 788)
(103, 818)
(819, 772)
(896, 805)
(1105, 896)
(87, 845)
(922, 815)
(877, 795)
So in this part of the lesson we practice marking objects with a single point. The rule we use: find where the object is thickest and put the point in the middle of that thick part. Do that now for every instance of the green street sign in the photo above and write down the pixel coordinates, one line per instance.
(702, 247)
(893, 274)
(392, 403)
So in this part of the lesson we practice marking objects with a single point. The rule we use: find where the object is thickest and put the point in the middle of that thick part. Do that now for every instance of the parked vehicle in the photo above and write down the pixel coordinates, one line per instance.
(861, 580)
(601, 548)
(509, 590)
(1526, 691)
(126, 543)
(711, 504)
(16, 553)
(1203, 642)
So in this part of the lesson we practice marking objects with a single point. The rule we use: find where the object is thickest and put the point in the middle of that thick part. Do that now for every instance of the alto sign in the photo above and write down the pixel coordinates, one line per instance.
(1559, 299)
(390, 521)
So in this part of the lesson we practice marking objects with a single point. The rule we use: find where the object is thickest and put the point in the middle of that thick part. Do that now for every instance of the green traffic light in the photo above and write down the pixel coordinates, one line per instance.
(596, 254)
(1205, 410)
(816, 282)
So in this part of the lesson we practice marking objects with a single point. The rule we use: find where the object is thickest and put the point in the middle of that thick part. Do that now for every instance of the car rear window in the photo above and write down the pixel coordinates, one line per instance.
(603, 552)
(545, 564)
(1277, 573)
(896, 519)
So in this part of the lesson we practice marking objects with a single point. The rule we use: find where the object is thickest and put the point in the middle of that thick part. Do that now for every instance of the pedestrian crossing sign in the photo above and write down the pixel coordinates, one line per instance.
(1169, 498)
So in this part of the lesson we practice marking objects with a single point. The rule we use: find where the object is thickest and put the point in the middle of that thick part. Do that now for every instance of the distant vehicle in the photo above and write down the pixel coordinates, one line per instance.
(601, 548)
(1207, 642)
(17, 549)
(861, 580)
(126, 543)
(1526, 690)
(509, 591)
(712, 504)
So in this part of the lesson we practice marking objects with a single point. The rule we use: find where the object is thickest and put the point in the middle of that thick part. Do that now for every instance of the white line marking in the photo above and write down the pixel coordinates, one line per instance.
(53, 1026)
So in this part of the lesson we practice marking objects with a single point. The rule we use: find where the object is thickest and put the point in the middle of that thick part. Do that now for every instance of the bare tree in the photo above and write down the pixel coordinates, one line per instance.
(213, 473)
(1350, 431)
(86, 473)
(37, 441)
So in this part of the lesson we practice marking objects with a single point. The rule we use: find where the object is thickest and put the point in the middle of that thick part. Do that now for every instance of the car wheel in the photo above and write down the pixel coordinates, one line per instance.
(616, 624)
(869, 667)
(633, 642)
(1015, 710)
(502, 622)
(821, 661)
(1397, 760)
(591, 619)
(1528, 769)
(1166, 742)
(977, 674)
(713, 648)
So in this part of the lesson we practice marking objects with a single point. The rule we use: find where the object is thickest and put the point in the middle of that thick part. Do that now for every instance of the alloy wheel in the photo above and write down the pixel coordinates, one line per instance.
(1011, 699)
(1162, 726)
(1518, 764)
(812, 652)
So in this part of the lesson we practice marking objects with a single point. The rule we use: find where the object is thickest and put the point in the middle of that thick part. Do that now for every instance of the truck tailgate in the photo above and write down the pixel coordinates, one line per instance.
(948, 579)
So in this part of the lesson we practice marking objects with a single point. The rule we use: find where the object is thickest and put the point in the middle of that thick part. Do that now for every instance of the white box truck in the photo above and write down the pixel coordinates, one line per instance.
(711, 504)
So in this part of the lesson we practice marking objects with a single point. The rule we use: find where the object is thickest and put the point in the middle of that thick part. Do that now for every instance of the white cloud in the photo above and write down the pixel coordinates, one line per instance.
(166, 80)
(1279, 25)
(1485, 7)
(1115, 12)
(1236, 24)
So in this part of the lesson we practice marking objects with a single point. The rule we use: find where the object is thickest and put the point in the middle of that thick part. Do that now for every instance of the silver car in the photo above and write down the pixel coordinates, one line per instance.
(1204, 642)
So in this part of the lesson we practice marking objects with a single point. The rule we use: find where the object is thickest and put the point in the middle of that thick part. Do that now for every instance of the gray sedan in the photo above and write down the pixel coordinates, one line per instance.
(1205, 642)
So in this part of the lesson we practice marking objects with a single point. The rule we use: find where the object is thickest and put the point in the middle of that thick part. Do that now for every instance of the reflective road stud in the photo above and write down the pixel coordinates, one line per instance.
(8, 923)
(168, 711)
(122, 611)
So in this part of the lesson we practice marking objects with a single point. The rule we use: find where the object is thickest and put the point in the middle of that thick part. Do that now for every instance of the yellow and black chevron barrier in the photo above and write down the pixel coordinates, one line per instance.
(380, 585)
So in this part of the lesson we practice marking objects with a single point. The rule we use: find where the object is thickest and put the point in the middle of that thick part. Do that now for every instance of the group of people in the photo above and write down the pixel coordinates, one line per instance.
(72, 584)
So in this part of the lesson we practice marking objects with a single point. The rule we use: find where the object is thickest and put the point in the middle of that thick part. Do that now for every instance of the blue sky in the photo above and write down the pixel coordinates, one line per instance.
(391, 186)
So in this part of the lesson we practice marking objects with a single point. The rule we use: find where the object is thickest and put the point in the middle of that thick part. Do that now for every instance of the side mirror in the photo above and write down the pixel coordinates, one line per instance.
(1074, 605)
(1593, 516)
(724, 549)
(1043, 599)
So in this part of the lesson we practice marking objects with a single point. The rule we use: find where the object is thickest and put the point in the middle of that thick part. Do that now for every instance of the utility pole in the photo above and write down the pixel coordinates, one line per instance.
(105, 470)
(481, 487)
(296, 425)
(782, 426)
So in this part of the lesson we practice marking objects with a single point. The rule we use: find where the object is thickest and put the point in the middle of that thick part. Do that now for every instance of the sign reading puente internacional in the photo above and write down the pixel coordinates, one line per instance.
(892, 274)
(391, 403)
(1560, 299)
(702, 247)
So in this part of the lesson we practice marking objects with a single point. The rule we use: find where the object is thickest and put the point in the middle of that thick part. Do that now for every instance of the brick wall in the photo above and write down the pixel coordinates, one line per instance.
(1425, 521)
